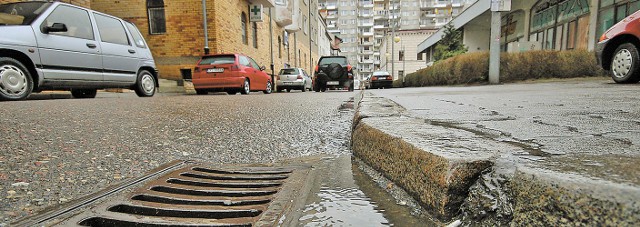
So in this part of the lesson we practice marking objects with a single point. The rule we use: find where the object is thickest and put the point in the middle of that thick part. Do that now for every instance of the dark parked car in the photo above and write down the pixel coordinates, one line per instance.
(333, 72)
(617, 50)
(380, 79)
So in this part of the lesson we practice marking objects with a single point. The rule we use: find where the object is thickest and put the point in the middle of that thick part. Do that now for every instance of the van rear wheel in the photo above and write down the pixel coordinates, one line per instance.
(146, 84)
(15, 80)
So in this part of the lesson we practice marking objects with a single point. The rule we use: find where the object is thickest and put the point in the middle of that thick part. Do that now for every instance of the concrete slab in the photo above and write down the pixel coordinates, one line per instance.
(503, 157)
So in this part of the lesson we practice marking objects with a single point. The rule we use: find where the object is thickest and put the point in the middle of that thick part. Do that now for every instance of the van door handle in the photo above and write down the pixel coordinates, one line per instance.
(91, 45)
(132, 51)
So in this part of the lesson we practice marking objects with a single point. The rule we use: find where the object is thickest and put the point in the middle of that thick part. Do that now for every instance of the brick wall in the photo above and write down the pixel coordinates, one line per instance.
(183, 41)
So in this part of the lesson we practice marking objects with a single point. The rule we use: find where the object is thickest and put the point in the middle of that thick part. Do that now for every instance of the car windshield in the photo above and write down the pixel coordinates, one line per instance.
(218, 59)
(340, 60)
(288, 71)
(22, 13)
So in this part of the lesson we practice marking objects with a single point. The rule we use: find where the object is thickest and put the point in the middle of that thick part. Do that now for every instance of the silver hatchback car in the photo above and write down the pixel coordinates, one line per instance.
(293, 79)
(58, 46)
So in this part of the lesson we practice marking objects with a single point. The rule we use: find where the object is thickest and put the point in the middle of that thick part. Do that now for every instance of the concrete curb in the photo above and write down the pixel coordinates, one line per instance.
(458, 174)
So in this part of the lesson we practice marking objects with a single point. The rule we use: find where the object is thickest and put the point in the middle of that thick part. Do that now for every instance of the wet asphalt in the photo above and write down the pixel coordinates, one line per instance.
(55, 150)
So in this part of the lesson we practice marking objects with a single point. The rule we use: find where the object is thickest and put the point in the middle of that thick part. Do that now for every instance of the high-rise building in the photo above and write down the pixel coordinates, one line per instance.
(364, 24)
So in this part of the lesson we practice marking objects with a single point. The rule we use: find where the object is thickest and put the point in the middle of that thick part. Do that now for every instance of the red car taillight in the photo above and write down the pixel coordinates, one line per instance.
(349, 68)
(234, 68)
(389, 78)
(299, 77)
(317, 68)
(196, 69)
(374, 78)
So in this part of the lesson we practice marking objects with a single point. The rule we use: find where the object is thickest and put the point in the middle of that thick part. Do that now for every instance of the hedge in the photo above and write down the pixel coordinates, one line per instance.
(473, 68)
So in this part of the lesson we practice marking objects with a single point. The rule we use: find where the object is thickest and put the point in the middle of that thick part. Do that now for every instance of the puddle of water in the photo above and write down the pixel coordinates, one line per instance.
(346, 196)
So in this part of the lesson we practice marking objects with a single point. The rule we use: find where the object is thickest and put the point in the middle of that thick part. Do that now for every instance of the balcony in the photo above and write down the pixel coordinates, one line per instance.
(366, 34)
(364, 14)
(365, 24)
(332, 16)
(366, 5)
(379, 26)
(365, 52)
(333, 30)
(366, 43)
(327, 6)
(366, 61)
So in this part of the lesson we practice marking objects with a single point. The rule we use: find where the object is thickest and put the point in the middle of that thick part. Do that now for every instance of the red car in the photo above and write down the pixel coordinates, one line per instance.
(231, 73)
(617, 50)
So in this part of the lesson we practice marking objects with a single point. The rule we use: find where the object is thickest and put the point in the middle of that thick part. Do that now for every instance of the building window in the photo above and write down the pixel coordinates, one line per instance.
(243, 24)
(157, 21)
(401, 55)
(254, 27)
(419, 57)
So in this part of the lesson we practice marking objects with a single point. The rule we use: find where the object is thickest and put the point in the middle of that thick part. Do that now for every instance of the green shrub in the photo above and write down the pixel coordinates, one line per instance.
(473, 68)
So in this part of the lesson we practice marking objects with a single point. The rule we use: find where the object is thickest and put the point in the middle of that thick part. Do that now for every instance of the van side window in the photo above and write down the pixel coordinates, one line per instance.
(137, 38)
(77, 22)
(111, 30)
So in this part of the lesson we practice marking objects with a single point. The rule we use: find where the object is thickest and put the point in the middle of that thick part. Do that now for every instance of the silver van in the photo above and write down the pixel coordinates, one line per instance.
(58, 46)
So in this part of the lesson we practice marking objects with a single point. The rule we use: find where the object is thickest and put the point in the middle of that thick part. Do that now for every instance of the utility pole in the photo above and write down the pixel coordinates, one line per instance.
(494, 49)
(271, 46)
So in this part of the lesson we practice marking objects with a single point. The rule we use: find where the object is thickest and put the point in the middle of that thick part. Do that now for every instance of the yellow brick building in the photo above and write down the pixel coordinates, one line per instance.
(182, 41)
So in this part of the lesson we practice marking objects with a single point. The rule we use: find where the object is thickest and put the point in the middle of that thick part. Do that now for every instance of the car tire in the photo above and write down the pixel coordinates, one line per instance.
(246, 89)
(267, 90)
(232, 92)
(201, 92)
(304, 88)
(288, 89)
(15, 80)
(624, 64)
(145, 84)
(84, 93)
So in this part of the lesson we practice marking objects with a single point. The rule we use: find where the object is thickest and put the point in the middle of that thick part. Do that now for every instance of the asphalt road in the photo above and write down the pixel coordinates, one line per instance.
(56, 150)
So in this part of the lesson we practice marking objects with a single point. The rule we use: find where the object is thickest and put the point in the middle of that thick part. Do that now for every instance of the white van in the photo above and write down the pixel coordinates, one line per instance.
(58, 46)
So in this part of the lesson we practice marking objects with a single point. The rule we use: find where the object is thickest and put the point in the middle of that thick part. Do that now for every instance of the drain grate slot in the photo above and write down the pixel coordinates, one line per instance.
(200, 169)
(183, 191)
(243, 178)
(208, 214)
(223, 185)
(108, 222)
(177, 201)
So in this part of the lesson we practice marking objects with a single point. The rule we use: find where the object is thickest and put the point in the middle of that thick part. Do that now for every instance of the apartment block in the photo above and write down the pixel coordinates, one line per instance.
(364, 25)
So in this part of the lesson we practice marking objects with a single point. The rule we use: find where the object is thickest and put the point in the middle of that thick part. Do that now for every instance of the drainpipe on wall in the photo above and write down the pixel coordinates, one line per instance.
(271, 45)
(204, 22)
(310, 67)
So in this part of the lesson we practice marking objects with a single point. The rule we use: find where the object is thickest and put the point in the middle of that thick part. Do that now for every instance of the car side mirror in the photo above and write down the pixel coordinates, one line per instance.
(56, 27)
(262, 68)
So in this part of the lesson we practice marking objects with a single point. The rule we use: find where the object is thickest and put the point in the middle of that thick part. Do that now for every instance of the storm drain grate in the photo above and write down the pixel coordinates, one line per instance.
(192, 195)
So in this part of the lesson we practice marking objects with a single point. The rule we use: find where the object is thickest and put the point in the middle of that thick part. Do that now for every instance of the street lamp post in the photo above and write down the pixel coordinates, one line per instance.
(397, 39)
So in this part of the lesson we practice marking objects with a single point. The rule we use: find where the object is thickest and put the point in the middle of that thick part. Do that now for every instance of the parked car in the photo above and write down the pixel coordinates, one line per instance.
(293, 79)
(617, 50)
(333, 72)
(58, 46)
(380, 79)
(231, 73)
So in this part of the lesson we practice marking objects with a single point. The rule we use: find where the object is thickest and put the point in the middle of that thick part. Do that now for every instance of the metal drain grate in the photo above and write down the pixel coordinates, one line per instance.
(193, 195)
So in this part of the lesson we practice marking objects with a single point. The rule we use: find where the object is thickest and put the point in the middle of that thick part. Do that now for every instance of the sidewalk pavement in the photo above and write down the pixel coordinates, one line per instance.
(561, 153)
